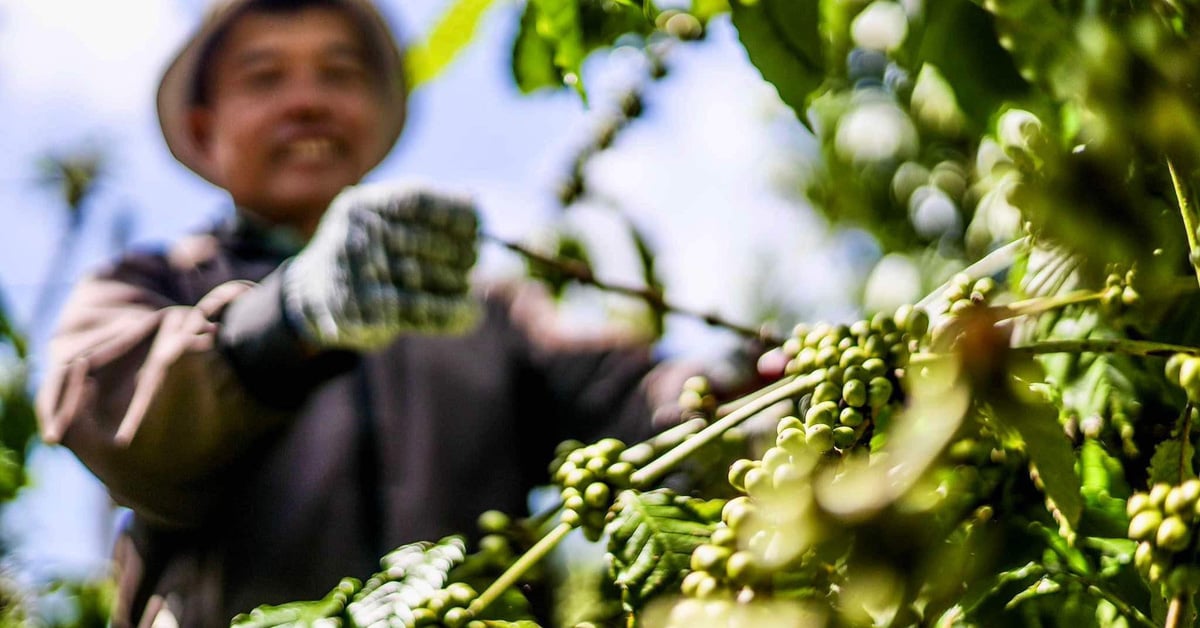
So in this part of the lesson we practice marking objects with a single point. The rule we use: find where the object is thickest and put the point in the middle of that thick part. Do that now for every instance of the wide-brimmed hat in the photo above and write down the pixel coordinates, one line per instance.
(177, 91)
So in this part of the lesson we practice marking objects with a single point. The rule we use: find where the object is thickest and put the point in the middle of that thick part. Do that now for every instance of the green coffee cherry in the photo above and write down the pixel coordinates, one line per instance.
(1138, 502)
(1189, 378)
(875, 367)
(774, 458)
(786, 423)
(844, 437)
(820, 437)
(1158, 494)
(787, 478)
(821, 414)
(737, 511)
(855, 393)
(1144, 526)
(1179, 502)
(597, 495)
(493, 522)
(724, 536)
(1143, 556)
(758, 482)
(691, 583)
(826, 392)
(619, 473)
(880, 392)
(851, 417)
(710, 558)
(737, 473)
(1173, 534)
(792, 439)
(741, 568)
(1175, 366)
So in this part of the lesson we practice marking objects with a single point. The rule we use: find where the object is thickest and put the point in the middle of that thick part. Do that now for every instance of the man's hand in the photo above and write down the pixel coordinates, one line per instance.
(385, 259)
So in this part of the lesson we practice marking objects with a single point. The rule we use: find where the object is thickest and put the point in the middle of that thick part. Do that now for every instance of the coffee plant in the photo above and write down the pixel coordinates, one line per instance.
(1015, 447)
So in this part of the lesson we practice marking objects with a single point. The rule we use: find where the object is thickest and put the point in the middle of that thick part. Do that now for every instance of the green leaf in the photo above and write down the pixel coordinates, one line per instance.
(1103, 516)
(449, 37)
(1094, 472)
(1050, 451)
(981, 595)
(325, 612)
(558, 23)
(651, 539)
(782, 39)
(959, 38)
(533, 55)
(1172, 460)
(18, 420)
(9, 333)
(1043, 586)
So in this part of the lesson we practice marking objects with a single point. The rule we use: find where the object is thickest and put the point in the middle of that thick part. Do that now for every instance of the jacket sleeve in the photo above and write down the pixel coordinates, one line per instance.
(147, 391)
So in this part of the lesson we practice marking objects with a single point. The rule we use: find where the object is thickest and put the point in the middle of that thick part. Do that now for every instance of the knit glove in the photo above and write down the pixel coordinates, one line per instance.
(385, 259)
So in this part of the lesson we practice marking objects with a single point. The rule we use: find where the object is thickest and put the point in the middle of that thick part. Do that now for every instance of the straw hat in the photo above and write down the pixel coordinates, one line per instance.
(177, 90)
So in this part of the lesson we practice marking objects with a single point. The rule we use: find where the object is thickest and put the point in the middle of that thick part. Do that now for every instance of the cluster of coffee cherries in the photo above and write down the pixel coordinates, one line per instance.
(496, 545)
(965, 293)
(1119, 296)
(590, 477)
(757, 536)
(697, 397)
(1183, 370)
(761, 540)
(1161, 521)
(857, 365)
(975, 466)
(718, 566)
(413, 589)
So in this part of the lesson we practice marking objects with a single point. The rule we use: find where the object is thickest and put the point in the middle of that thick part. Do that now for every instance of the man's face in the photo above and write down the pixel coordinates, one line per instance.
(294, 113)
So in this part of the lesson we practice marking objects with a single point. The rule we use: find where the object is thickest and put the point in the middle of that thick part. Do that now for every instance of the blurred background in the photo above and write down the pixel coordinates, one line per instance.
(710, 175)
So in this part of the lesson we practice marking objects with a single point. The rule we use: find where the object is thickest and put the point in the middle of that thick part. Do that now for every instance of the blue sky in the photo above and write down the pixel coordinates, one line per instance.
(699, 173)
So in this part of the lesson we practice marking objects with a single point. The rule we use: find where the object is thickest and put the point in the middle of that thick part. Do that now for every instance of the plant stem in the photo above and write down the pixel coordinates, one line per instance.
(1122, 606)
(654, 298)
(758, 402)
(1097, 587)
(1106, 345)
(1041, 305)
(990, 264)
(1190, 220)
(1185, 439)
(518, 569)
(732, 406)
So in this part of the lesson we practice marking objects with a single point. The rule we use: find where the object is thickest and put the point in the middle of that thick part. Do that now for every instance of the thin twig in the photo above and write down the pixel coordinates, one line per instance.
(1041, 305)
(654, 298)
(1123, 607)
(518, 569)
(760, 401)
(1097, 587)
(1190, 221)
(1185, 438)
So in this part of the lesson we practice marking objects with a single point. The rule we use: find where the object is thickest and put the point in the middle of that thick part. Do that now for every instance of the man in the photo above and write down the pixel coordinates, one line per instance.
(271, 437)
